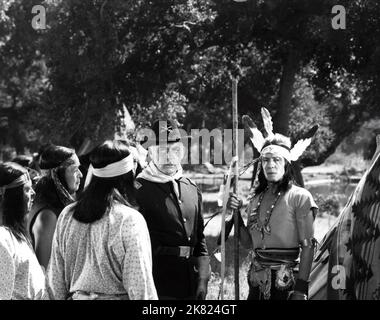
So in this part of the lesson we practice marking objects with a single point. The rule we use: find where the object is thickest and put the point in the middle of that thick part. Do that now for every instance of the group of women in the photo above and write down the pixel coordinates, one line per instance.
(96, 245)
(65, 246)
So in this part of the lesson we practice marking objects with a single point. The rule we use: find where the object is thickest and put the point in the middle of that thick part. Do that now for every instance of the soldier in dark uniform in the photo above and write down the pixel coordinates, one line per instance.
(171, 205)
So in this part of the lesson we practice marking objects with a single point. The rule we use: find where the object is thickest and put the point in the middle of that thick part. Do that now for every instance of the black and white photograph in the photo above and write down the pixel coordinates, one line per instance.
(190, 154)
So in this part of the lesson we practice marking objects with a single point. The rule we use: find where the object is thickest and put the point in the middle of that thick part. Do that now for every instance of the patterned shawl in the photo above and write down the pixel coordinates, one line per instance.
(347, 265)
(64, 196)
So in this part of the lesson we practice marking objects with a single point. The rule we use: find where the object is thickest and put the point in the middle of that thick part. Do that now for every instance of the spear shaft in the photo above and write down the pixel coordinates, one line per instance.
(235, 185)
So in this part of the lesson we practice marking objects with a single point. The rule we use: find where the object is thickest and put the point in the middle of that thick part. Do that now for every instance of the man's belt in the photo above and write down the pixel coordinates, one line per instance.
(274, 256)
(84, 295)
(180, 251)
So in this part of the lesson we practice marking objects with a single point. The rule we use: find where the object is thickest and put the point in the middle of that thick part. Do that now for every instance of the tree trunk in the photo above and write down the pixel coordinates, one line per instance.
(281, 119)
(17, 138)
(288, 77)
(339, 135)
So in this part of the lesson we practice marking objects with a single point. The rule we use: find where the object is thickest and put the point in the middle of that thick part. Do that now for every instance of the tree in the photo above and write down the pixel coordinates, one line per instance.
(175, 58)
(4, 5)
(291, 60)
(102, 55)
(22, 73)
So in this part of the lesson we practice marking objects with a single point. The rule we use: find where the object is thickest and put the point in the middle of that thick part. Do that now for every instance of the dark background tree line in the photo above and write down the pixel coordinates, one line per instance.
(67, 83)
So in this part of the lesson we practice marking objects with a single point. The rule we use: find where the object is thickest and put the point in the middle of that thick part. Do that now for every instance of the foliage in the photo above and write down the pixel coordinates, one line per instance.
(175, 58)
(305, 113)
(289, 60)
(112, 53)
(23, 74)
(328, 87)
(328, 203)
(4, 6)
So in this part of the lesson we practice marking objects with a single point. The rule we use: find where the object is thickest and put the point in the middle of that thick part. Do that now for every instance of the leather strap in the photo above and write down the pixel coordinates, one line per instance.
(179, 251)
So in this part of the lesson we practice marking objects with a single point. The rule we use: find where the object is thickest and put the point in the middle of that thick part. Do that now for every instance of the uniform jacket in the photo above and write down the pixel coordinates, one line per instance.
(172, 223)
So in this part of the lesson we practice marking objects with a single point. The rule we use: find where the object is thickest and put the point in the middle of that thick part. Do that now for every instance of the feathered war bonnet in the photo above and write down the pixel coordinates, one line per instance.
(268, 142)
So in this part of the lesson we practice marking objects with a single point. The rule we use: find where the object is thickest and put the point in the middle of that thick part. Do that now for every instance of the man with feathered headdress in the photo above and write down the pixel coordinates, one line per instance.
(280, 220)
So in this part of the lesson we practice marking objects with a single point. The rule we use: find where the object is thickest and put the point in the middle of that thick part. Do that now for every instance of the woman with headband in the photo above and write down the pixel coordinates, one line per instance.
(280, 222)
(54, 191)
(101, 248)
(21, 276)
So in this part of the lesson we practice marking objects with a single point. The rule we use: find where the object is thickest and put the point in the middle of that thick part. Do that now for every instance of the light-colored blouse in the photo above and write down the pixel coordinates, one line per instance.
(21, 276)
(291, 220)
(111, 256)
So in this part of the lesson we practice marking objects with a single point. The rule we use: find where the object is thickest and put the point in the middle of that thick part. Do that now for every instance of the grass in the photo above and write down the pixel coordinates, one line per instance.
(210, 207)
(229, 286)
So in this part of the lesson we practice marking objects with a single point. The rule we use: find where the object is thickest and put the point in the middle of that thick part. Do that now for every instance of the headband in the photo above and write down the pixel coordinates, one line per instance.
(112, 170)
(16, 183)
(258, 139)
(64, 164)
(278, 150)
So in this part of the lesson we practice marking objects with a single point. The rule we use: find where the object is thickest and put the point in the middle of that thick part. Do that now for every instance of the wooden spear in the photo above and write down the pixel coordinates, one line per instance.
(223, 230)
(233, 171)
(235, 138)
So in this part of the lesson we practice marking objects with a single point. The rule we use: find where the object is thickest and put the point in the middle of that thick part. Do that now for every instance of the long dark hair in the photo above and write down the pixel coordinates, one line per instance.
(13, 201)
(101, 193)
(287, 180)
(283, 185)
(51, 157)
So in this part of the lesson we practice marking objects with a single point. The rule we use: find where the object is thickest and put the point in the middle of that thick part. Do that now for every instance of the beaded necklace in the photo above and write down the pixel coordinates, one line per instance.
(263, 228)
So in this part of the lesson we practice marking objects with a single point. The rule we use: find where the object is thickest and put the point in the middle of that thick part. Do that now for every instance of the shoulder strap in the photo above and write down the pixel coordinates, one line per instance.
(191, 182)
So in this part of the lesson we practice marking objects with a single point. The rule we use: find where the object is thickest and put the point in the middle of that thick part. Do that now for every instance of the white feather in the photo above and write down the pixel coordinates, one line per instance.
(299, 148)
(257, 139)
(140, 154)
(268, 123)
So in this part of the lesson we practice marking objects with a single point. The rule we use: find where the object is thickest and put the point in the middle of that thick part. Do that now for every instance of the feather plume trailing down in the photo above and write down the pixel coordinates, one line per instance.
(248, 124)
(268, 123)
(301, 145)
(257, 139)
(256, 136)
(311, 132)
(299, 149)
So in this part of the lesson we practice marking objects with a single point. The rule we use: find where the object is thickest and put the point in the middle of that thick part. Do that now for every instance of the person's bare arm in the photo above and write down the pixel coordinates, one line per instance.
(43, 231)
(306, 260)
(307, 243)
